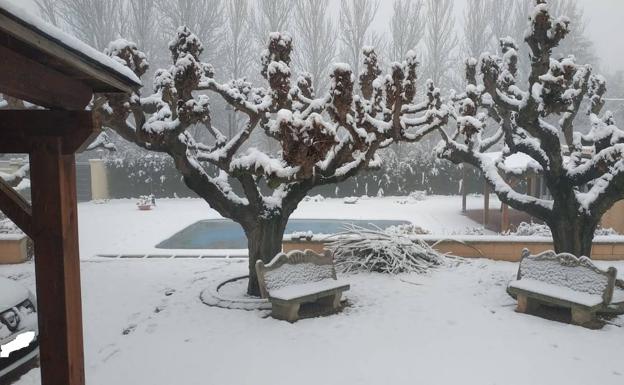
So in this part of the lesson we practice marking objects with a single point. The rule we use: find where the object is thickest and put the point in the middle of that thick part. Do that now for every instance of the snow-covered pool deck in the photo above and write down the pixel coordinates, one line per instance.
(116, 227)
(145, 324)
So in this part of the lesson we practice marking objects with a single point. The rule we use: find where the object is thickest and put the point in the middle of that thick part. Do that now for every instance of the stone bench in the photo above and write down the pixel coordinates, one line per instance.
(297, 278)
(567, 281)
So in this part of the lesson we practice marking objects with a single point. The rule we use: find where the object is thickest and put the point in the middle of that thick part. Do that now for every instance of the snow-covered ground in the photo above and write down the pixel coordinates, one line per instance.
(145, 324)
(117, 227)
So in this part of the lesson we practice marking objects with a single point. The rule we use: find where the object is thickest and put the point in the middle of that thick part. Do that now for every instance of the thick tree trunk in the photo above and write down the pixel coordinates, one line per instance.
(264, 239)
(573, 235)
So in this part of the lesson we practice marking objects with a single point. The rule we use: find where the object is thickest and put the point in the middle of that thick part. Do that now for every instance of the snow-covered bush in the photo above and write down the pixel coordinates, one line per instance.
(470, 230)
(351, 200)
(361, 249)
(418, 195)
(541, 230)
(146, 201)
(602, 231)
(314, 198)
(408, 229)
(530, 229)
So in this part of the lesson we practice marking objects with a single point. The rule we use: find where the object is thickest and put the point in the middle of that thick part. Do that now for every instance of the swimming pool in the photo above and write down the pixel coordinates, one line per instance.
(226, 234)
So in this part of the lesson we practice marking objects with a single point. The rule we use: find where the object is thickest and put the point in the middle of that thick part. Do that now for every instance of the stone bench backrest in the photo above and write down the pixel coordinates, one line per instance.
(566, 270)
(294, 268)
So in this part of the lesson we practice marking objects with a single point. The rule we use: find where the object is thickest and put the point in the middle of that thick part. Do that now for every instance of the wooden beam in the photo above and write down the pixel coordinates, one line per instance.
(101, 78)
(464, 191)
(28, 80)
(21, 129)
(504, 218)
(57, 264)
(15, 207)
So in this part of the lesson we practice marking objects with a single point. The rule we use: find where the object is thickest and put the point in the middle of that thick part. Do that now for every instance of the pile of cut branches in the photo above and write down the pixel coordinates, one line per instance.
(362, 249)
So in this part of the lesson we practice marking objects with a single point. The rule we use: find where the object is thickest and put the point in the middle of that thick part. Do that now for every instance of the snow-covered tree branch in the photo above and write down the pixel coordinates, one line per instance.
(323, 138)
(584, 174)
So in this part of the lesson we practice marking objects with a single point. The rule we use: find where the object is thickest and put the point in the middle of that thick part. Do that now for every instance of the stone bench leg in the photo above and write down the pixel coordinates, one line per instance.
(526, 304)
(332, 301)
(581, 317)
(288, 312)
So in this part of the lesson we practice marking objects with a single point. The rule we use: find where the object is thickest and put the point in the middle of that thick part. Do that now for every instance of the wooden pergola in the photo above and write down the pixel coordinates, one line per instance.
(533, 183)
(41, 65)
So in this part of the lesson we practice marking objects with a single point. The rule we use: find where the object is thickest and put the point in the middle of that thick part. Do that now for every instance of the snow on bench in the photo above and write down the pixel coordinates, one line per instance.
(293, 279)
(289, 293)
(567, 281)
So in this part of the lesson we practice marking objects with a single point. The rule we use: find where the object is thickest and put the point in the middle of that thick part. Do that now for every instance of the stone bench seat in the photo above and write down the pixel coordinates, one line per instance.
(556, 293)
(297, 278)
(308, 291)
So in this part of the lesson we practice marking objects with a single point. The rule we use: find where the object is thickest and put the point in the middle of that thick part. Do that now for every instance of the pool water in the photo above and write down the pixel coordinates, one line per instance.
(226, 234)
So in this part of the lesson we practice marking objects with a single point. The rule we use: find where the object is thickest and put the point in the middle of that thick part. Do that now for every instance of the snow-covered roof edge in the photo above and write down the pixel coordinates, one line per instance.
(68, 42)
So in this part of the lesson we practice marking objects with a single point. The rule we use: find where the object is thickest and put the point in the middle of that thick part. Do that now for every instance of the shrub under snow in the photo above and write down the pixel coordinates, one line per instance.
(361, 249)
(407, 229)
(540, 230)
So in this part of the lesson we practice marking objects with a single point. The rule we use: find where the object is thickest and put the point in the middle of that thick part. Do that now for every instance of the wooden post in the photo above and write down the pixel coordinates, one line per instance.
(57, 267)
(486, 204)
(504, 218)
(529, 180)
(463, 188)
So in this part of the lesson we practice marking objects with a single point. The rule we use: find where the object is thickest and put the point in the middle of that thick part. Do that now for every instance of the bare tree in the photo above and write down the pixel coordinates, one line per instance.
(477, 27)
(237, 51)
(501, 19)
(441, 41)
(316, 41)
(48, 9)
(238, 45)
(576, 43)
(270, 16)
(95, 22)
(406, 27)
(356, 17)
(142, 26)
(205, 17)
(323, 141)
(583, 173)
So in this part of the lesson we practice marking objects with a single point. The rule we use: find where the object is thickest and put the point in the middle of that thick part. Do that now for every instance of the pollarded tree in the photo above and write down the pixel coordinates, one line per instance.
(323, 140)
(584, 173)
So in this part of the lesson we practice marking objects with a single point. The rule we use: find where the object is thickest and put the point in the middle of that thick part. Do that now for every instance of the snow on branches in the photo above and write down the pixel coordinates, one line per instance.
(583, 173)
(322, 139)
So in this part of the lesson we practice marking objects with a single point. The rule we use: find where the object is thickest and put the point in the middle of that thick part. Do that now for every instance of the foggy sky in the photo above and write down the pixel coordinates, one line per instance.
(604, 25)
